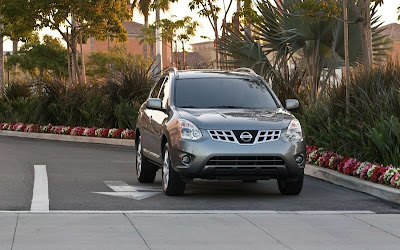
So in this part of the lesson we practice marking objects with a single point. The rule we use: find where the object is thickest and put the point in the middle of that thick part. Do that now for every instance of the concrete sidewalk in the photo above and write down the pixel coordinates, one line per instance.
(199, 231)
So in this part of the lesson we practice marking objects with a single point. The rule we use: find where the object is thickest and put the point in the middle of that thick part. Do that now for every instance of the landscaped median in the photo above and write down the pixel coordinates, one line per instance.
(371, 178)
(113, 136)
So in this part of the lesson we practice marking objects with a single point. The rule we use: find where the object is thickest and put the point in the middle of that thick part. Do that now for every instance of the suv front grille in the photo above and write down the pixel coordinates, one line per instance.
(261, 136)
(246, 161)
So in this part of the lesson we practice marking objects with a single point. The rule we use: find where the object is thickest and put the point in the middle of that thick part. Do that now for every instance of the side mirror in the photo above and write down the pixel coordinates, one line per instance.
(292, 104)
(154, 103)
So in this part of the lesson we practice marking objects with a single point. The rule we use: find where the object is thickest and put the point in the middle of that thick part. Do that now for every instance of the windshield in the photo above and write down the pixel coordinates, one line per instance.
(223, 93)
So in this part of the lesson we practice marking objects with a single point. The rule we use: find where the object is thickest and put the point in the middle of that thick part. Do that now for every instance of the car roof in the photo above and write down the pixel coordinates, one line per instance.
(190, 74)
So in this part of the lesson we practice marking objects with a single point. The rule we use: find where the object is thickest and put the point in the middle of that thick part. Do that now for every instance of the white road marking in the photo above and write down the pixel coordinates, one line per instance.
(40, 198)
(123, 190)
(196, 212)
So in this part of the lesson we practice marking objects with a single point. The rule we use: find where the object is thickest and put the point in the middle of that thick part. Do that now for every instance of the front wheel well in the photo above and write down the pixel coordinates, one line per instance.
(137, 134)
(164, 141)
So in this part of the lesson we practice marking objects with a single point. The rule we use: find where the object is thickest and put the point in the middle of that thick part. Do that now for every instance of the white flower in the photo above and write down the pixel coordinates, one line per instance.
(371, 170)
(362, 165)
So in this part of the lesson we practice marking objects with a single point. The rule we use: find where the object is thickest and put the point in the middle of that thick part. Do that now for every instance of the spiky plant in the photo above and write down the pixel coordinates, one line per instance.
(283, 34)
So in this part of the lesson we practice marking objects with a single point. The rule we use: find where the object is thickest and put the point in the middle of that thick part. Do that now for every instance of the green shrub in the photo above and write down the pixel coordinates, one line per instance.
(367, 131)
(384, 140)
(113, 103)
(14, 90)
(126, 113)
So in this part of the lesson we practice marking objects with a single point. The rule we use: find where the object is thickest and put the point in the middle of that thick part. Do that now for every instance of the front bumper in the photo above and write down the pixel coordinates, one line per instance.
(201, 151)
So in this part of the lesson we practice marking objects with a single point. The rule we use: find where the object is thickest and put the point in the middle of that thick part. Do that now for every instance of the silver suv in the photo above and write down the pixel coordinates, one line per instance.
(225, 125)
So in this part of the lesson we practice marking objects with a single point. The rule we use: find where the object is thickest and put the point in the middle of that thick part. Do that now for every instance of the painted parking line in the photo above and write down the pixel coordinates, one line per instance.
(40, 197)
(123, 190)
(195, 212)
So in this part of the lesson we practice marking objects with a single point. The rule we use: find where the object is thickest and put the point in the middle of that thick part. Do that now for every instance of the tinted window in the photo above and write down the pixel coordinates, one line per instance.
(164, 93)
(156, 88)
(223, 93)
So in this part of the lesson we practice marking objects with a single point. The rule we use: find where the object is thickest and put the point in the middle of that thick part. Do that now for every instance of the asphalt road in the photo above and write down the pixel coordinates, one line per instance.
(76, 171)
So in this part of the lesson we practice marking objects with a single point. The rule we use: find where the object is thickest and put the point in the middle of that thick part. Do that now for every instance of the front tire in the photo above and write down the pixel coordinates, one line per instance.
(145, 170)
(291, 187)
(172, 182)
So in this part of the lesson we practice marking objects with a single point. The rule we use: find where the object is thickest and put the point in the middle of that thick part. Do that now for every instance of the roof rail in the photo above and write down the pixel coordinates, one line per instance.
(174, 70)
(246, 70)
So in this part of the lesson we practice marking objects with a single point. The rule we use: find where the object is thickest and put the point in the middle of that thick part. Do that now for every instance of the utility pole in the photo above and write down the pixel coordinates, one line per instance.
(346, 55)
(159, 65)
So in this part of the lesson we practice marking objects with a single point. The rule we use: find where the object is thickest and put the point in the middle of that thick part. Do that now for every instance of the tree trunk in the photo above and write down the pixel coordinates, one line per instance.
(1, 60)
(145, 46)
(346, 55)
(15, 50)
(82, 59)
(176, 55)
(247, 27)
(15, 46)
(159, 60)
(235, 21)
(69, 63)
(215, 27)
(172, 53)
(183, 56)
(216, 42)
(367, 36)
(75, 64)
(362, 12)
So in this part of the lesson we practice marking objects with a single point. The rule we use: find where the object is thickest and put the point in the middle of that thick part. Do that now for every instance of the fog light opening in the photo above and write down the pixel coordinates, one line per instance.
(186, 159)
(299, 159)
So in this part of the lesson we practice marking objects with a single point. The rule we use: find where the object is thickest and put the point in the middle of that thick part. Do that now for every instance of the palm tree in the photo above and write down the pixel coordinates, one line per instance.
(164, 6)
(285, 34)
(144, 7)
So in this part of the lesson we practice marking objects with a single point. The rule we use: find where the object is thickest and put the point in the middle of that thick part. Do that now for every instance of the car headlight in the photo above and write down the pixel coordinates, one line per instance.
(294, 131)
(188, 130)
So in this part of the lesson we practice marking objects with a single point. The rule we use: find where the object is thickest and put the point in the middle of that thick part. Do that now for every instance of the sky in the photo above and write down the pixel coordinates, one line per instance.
(178, 10)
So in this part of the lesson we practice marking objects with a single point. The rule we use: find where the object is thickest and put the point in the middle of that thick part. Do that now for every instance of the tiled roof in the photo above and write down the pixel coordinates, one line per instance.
(132, 27)
(392, 30)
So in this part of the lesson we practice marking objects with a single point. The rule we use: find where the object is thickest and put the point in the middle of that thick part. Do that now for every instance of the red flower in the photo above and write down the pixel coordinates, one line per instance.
(341, 164)
(377, 173)
(80, 131)
(104, 132)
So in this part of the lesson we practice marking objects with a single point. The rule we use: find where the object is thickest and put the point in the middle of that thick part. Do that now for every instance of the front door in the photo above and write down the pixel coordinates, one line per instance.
(159, 117)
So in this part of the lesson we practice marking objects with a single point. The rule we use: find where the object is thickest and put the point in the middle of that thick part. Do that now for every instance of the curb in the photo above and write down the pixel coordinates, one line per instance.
(70, 138)
(350, 182)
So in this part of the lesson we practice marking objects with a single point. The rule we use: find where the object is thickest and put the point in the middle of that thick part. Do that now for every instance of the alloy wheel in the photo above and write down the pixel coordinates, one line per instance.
(139, 158)
(166, 170)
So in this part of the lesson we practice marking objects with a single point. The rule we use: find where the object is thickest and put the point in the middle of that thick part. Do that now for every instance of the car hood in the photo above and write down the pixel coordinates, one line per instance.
(237, 119)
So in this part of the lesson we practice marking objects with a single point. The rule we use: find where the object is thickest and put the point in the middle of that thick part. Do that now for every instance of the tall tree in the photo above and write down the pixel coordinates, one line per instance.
(158, 6)
(144, 7)
(210, 10)
(186, 29)
(362, 10)
(16, 23)
(40, 58)
(315, 45)
(100, 19)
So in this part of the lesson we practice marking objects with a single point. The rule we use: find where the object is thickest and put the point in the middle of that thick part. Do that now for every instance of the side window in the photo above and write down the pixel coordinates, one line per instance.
(164, 92)
(156, 88)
